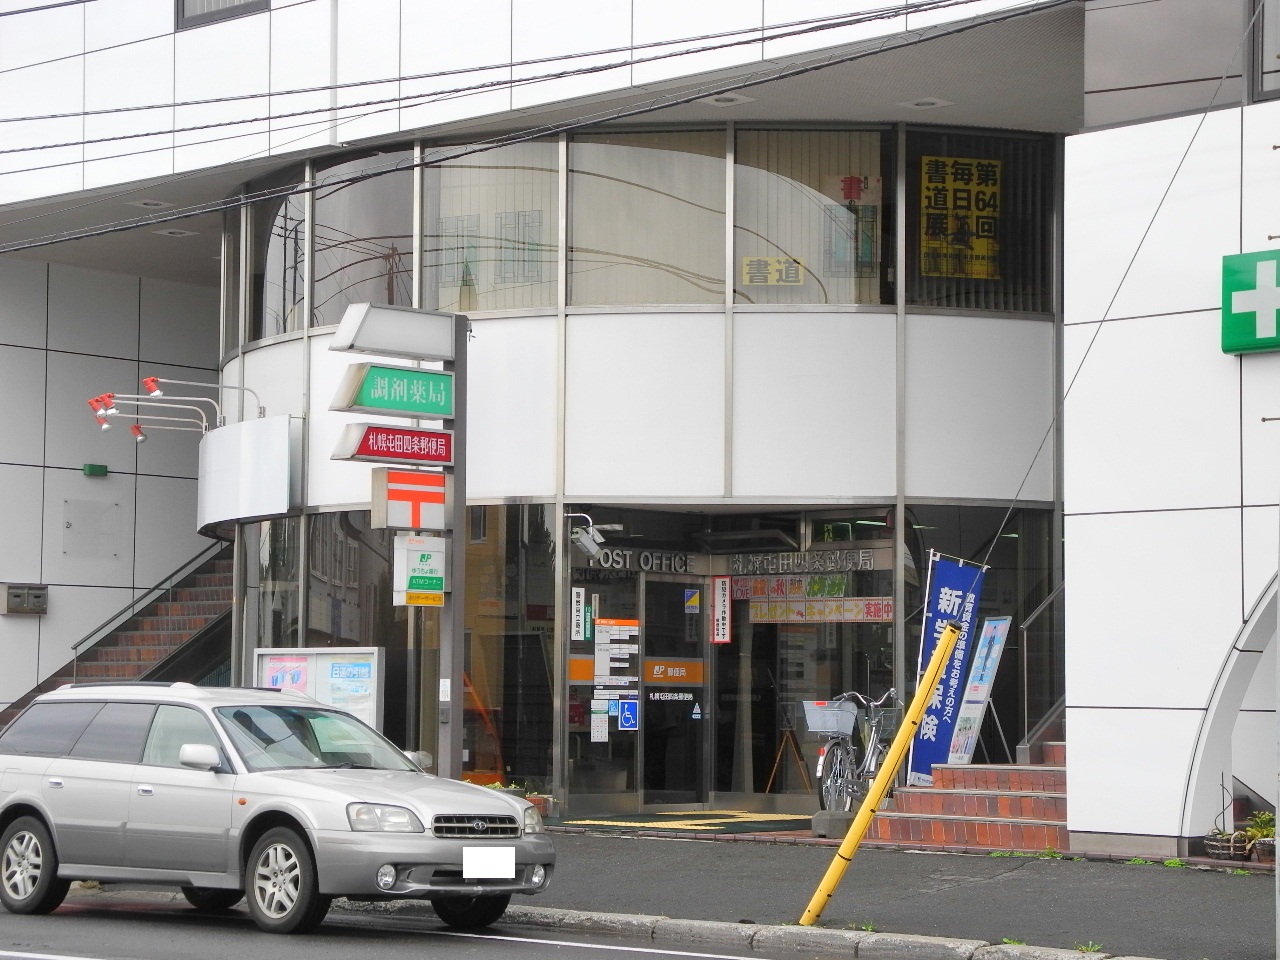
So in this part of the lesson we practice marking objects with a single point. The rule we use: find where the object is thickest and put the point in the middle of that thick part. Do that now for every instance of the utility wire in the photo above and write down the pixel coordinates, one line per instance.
(441, 155)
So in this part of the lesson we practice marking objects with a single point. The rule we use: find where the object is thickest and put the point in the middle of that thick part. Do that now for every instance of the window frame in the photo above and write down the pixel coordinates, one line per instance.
(242, 9)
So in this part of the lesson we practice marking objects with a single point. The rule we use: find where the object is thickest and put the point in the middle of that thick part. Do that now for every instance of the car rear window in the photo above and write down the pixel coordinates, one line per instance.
(48, 729)
(118, 732)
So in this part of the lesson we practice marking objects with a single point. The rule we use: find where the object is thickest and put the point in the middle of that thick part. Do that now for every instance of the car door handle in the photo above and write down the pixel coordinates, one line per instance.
(55, 781)
(144, 790)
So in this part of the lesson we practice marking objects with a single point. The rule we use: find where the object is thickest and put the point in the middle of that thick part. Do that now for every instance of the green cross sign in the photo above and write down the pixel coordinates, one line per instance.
(1250, 302)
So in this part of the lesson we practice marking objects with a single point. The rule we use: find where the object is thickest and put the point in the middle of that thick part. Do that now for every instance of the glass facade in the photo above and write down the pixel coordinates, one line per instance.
(814, 219)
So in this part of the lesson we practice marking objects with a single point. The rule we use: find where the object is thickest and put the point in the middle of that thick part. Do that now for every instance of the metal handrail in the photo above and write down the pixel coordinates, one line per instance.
(165, 585)
(1022, 638)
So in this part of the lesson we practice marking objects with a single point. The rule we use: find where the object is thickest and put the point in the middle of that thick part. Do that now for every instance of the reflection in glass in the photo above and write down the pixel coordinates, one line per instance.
(491, 224)
(810, 217)
(647, 218)
(509, 665)
(230, 280)
(363, 235)
(278, 255)
(1268, 48)
(271, 606)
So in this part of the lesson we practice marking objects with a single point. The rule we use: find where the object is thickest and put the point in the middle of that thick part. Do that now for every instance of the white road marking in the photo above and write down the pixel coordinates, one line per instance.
(592, 946)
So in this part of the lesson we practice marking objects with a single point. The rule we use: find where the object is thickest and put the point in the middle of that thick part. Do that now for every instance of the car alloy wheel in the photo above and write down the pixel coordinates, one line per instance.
(29, 869)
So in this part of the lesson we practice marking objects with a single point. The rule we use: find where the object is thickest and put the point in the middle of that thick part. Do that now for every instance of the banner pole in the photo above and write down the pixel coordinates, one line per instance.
(884, 779)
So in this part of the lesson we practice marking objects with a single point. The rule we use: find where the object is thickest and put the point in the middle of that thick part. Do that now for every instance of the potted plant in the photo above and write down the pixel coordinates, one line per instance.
(1261, 832)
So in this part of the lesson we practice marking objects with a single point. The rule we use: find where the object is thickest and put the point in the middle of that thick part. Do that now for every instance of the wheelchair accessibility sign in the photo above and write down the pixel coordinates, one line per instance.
(628, 714)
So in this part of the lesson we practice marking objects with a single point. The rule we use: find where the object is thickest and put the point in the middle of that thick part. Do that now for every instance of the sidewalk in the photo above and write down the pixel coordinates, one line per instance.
(1117, 908)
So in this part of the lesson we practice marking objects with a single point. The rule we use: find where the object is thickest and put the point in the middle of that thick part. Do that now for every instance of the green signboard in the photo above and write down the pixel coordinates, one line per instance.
(1250, 302)
(372, 388)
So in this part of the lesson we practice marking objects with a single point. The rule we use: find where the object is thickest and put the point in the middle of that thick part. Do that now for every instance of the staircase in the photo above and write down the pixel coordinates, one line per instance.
(139, 644)
(1017, 807)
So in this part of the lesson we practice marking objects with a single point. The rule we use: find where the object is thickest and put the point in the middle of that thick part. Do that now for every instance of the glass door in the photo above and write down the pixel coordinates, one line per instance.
(675, 711)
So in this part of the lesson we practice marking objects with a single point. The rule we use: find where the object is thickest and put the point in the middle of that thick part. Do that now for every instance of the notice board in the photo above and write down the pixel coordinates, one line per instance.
(349, 678)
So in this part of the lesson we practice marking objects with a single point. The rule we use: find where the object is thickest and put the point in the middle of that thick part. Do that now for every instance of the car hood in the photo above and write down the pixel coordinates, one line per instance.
(432, 794)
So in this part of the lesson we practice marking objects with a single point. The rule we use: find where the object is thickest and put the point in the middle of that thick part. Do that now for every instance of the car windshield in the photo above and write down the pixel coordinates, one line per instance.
(289, 738)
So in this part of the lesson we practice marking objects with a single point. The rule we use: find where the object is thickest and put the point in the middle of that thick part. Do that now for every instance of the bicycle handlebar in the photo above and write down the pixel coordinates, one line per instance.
(864, 700)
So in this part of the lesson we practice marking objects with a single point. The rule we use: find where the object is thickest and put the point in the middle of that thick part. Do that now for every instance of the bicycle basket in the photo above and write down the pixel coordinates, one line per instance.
(830, 716)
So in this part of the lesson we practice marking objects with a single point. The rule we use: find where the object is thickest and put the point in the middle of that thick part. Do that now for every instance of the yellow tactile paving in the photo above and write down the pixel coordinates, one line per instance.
(694, 820)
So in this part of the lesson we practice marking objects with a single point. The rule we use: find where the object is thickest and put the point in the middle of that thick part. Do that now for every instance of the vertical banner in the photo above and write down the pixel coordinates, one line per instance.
(977, 692)
(960, 217)
(577, 615)
(953, 592)
(721, 609)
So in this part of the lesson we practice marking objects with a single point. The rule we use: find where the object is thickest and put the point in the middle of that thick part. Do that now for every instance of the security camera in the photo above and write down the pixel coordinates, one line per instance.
(588, 541)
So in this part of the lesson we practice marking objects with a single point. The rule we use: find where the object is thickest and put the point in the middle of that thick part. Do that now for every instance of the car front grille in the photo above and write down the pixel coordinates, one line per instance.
(477, 826)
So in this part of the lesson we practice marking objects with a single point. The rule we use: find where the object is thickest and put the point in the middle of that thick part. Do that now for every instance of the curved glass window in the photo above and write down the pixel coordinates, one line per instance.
(363, 235)
(278, 256)
(491, 224)
(811, 217)
(647, 218)
(979, 221)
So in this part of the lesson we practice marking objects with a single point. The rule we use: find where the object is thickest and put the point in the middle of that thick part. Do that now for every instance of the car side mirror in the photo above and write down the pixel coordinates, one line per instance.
(200, 756)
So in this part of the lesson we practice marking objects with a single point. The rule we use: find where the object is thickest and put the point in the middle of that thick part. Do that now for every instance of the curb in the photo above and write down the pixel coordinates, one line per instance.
(765, 938)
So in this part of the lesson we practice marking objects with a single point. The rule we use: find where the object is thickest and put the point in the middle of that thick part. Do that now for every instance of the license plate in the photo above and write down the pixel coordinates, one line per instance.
(488, 863)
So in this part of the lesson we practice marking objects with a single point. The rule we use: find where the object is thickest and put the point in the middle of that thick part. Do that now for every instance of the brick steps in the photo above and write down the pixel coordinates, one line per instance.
(1015, 807)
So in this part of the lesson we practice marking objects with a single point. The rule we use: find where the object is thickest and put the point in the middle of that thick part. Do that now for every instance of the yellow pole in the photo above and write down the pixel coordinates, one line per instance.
(884, 779)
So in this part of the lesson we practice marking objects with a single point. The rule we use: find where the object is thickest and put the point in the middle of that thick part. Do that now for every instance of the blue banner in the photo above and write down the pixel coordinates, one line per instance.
(953, 592)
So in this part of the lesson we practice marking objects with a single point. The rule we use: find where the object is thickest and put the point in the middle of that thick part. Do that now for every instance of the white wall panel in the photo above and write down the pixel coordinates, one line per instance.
(22, 391)
(226, 59)
(301, 45)
(174, 453)
(72, 435)
(1114, 183)
(1152, 608)
(179, 325)
(1258, 176)
(331, 482)
(1128, 769)
(437, 38)
(676, 20)
(52, 89)
(73, 612)
(39, 35)
(167, 535)
(275, 373)
(1260, 442)
(795, 11)
(140, 74)
(111, 22)
(980, 397)
(805, 382)
(93, 312)
(511, 408)
(1155, 399)
(368, 44)
(572, 25)
(20, 511)
(98, 549)
(1258, 551)
(20, 638)
(644, 399)
(23, 302)
(1253, 747)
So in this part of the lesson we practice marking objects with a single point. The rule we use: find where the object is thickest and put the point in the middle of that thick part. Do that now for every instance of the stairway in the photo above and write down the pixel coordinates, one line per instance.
(1016, 807)
(142, 642)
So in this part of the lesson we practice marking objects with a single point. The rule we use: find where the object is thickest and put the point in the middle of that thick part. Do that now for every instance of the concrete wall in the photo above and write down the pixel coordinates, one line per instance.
(67, 334)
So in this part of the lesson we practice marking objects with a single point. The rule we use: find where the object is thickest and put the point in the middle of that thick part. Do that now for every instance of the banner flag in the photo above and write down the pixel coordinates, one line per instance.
(952, 594)
(977, 692)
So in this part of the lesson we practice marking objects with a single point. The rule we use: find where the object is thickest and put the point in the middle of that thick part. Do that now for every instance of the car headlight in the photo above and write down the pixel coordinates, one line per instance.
(380, 817)
(533, 820)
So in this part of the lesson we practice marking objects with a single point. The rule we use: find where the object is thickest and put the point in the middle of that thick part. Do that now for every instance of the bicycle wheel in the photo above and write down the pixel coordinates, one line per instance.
(837, 789)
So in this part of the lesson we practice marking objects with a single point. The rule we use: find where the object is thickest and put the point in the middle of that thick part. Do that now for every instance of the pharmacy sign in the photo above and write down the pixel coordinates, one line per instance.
(1250, 302)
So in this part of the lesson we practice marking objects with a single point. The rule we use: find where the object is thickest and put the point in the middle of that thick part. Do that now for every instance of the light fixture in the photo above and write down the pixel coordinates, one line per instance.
(175, 232)
(925, 103)
(151, 385)
(727, 99)
(104, 423)
(138, 435)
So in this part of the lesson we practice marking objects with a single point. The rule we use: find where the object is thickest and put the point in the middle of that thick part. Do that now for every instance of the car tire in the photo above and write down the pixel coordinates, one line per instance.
(281, 884)
(29, 869)
(471, 913)
(212, 899)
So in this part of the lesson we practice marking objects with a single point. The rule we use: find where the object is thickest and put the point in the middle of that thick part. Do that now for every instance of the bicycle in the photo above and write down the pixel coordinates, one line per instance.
(847, 763)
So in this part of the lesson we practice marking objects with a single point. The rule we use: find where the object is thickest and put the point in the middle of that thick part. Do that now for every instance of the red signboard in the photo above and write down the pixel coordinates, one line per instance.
(367, 441)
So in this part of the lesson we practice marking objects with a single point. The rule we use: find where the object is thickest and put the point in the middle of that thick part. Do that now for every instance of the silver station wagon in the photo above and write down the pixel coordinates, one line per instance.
(234, 792)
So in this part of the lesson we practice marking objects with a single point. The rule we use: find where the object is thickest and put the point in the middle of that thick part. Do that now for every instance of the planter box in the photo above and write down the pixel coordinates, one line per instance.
(1233, 846)
(1264, 849)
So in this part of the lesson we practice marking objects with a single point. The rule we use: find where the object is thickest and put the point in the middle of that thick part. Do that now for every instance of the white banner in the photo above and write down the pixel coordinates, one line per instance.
(721, 607)
(977, 692)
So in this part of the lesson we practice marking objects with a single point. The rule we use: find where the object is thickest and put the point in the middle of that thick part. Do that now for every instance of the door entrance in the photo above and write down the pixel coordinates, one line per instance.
(674, 705)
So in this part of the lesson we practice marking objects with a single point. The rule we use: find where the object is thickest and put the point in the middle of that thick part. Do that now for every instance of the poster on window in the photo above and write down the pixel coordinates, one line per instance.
(977, 692)
(960, 217)
(952, 594)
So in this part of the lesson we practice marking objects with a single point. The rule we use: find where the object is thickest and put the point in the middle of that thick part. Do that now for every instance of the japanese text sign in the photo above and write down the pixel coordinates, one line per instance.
(772, 272)
(953, 593)
(368, 441)
(977, 692)
(371, 388)
(960, 217)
